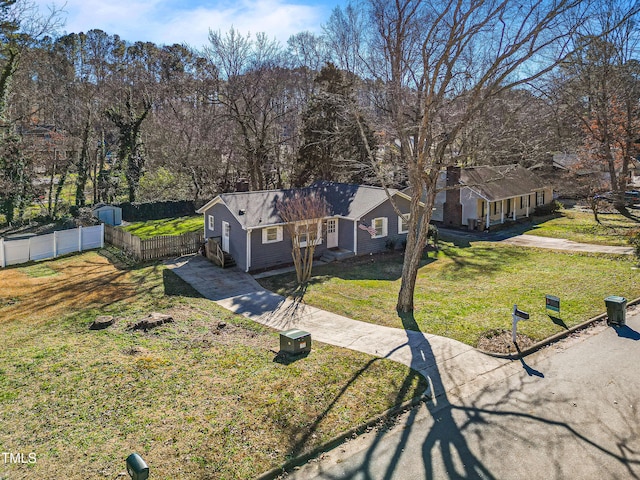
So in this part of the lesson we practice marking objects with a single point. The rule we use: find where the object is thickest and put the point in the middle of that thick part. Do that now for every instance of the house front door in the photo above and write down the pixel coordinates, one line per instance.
(332, 233)
(225, 237)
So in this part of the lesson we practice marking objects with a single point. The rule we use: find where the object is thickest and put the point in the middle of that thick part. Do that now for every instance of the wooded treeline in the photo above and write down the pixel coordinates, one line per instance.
(383, 83)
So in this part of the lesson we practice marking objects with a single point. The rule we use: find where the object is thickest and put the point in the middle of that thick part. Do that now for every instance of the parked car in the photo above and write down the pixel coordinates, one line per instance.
(631, 197)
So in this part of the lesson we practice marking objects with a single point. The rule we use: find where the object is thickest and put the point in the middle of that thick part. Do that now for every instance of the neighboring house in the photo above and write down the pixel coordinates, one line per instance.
(247, 225)
(482, 196)
(569, 162)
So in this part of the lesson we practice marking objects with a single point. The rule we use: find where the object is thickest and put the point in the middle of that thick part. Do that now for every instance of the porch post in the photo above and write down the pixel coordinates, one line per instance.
(248, 250)
(502, 211)
(488, 214)
(355, 237)
(528, 202)
(515, 208)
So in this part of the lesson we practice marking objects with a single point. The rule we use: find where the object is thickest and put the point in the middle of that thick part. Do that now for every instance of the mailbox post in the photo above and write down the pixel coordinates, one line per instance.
(516, 317)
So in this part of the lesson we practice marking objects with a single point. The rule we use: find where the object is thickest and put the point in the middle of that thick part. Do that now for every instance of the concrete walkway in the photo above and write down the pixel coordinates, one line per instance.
(561, 244)
(451, 367)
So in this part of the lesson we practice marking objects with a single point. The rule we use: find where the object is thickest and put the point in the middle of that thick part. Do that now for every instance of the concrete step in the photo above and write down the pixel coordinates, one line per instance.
(336, 255)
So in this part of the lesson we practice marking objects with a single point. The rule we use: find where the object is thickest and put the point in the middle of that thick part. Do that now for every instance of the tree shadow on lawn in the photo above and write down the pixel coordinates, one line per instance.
(175, 286)
(77, 287)
(377, 267)
(635, 217)
(482, 261)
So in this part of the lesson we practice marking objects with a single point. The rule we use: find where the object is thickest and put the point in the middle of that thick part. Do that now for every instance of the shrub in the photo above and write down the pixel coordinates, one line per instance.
(634, 240)
(549, 208)
(433, 233)
(390, 244)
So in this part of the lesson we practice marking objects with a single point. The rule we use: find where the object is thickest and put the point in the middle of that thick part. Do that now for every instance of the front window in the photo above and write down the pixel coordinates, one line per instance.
(271, 234)
(211, 222)
(309, 232)
(380, 224)
(539, 198)
(403, 225)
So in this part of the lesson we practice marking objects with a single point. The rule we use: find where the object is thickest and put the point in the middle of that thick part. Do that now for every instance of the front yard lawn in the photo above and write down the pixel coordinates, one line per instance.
(467, 292)
(165, 226)
(581, 227)
(203, 397)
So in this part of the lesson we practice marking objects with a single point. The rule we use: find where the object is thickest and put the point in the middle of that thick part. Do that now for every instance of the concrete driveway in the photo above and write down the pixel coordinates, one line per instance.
(451, 367)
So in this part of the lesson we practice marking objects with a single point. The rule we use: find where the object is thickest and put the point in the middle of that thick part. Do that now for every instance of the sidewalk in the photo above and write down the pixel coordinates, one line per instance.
(451, 367)
(524, 240)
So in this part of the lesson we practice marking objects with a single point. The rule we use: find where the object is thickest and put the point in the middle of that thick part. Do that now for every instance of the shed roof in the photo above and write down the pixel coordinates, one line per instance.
(101, 206)
(500, 182)
(259, 208)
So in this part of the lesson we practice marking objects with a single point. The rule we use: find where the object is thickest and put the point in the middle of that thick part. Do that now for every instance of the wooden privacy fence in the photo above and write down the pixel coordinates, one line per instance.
(152, 248)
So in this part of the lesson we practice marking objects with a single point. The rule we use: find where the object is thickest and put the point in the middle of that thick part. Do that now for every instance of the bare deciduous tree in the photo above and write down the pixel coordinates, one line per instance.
(303, 213)
(441, 63)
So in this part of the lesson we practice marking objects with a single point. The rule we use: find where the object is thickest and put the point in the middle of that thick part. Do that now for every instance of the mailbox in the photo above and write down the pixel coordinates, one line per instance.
(137, 468)
(295, 341)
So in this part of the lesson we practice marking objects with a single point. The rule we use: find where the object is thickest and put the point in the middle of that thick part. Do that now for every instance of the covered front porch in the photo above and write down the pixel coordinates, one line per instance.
(491, 212)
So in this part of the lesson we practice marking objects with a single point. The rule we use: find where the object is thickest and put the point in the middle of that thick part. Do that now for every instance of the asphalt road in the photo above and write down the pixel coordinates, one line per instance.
(569, 412)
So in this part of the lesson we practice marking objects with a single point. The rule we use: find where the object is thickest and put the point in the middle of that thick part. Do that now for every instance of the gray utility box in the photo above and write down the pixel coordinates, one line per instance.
(616, 310)
(295, 341)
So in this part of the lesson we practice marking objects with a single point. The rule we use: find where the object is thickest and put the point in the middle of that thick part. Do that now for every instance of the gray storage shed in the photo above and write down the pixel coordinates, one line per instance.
(108, 214)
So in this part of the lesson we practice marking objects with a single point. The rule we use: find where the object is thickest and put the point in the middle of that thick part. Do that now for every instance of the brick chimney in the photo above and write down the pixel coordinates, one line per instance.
(242, 185)
(452, 206)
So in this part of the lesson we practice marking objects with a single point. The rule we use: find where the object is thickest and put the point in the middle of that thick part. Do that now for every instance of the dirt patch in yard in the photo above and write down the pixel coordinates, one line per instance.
(500, 341)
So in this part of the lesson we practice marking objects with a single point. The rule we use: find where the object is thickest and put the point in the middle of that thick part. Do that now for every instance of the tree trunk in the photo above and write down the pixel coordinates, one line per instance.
(416, 239)
(82, 165)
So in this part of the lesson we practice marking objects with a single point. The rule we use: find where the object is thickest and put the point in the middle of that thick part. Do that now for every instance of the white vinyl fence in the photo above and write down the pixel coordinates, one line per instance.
(13, 252)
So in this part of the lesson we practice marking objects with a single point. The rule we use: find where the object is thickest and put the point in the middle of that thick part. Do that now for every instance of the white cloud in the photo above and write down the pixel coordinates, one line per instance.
(168, 22)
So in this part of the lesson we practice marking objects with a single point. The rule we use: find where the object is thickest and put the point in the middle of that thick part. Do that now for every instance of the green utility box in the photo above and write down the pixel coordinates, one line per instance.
(295, 341)
(616, 310)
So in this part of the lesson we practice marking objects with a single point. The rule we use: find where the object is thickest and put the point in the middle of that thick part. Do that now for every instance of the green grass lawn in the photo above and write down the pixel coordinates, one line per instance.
(468, 291)
(581, 227)
(166, 226)
(203, 397)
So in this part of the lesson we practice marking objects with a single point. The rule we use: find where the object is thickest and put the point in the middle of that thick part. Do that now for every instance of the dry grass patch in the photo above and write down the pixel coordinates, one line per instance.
(199, 398)
(43, 291)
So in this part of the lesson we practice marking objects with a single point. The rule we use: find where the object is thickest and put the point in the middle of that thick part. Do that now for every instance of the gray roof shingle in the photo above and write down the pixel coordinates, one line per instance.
(259, 208)
(501, 182)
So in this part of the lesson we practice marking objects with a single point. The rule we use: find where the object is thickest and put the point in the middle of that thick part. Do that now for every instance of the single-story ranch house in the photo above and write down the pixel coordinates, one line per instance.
(247, 225)
(482, 196)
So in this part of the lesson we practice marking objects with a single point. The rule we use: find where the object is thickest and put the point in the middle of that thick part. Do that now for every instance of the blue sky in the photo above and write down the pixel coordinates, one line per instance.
(171, 21)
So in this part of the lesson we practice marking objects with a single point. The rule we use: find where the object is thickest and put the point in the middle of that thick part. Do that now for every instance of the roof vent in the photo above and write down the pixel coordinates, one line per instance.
(241, 212)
